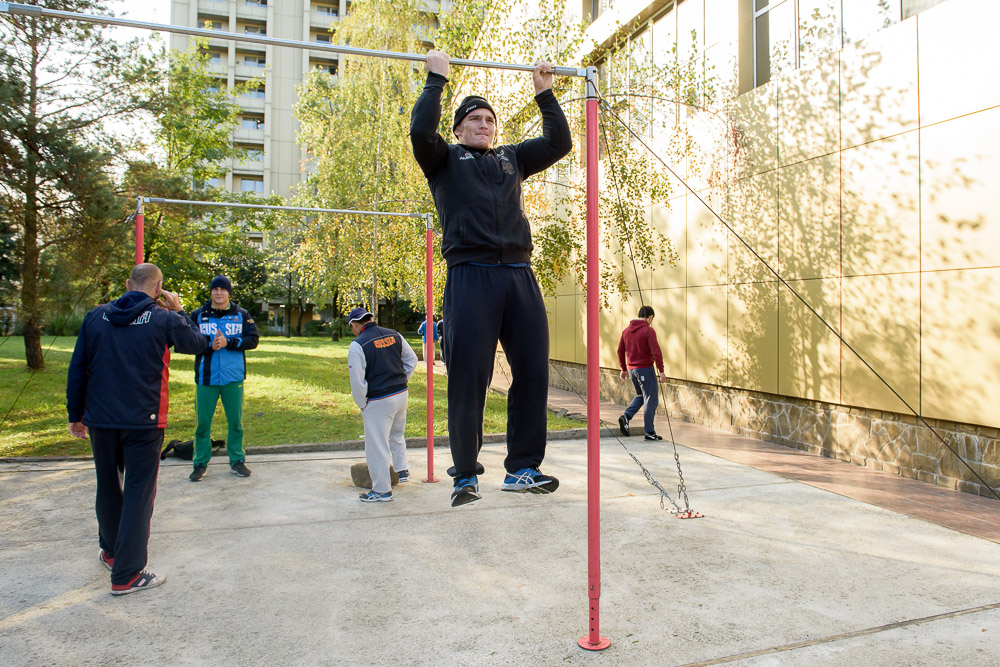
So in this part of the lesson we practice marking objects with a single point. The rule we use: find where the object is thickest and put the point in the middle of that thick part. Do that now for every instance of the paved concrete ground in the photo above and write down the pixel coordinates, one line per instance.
(287, 567)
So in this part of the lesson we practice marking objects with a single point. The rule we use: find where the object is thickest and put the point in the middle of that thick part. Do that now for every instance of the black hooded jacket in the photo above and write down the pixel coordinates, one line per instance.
(478, 193)
(119, 372)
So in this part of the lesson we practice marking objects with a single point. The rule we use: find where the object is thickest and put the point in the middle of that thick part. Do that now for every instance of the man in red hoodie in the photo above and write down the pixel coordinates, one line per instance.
(639, 347)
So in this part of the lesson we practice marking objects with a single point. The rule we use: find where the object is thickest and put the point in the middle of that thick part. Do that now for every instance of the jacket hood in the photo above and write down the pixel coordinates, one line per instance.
(636, 325)
(123, 310)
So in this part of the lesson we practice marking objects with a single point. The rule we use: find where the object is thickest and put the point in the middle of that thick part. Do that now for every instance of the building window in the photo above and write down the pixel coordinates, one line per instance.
(914, 7)
(213, 57)
(209, 24)
(330, 69)
(254, 61)
(323, 38)
(257, 92)
(788, 34)
(254, 30)
(252, 123)
(257, 3)
(251, 185)
(593, 9)
(329, 11)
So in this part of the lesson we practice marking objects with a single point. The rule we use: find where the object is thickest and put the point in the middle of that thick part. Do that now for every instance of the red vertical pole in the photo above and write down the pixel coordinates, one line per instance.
(429, 332)
(593, 641)
(138, 231)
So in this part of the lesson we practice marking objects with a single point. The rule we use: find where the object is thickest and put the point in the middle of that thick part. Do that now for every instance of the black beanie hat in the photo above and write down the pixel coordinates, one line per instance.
(223, 282)
(468, 105)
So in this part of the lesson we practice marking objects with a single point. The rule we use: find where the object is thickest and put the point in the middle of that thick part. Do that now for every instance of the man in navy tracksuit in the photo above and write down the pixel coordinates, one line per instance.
(116, 392)
(491, 294)
(380, 363)
(219, 374)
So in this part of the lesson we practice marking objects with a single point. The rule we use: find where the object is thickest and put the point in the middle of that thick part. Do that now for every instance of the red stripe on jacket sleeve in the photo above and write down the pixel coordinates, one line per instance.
(164, 389)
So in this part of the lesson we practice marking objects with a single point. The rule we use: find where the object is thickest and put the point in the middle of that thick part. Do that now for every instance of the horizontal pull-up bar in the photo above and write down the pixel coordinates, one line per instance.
(33, 10)
(270, 207)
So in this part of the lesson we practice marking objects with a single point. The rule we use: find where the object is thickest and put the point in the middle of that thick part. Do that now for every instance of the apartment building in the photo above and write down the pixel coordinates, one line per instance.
(268, 127)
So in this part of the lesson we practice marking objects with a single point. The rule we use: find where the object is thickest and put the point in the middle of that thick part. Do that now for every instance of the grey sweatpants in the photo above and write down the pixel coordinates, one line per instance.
(385, 419)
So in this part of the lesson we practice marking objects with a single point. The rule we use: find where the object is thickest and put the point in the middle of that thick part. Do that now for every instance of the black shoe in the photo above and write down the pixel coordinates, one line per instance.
(239, 469)
(466, 490)
(653, 436)
(623, 426)
(198, 473)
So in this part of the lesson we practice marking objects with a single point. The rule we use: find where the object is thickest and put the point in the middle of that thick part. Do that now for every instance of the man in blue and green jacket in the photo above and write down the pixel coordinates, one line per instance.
(219, 373)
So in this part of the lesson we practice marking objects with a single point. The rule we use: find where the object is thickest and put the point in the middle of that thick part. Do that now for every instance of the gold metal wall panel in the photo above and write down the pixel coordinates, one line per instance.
(706, 334)
(809, 219)
(878, 85)
(960, 346)
(882, 323)
(960, 210)
(753, 336)
(808, 352)
(880, 206)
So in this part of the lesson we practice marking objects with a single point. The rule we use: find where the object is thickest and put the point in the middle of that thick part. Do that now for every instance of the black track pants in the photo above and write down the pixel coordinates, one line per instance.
(125, 502)
(485, 305)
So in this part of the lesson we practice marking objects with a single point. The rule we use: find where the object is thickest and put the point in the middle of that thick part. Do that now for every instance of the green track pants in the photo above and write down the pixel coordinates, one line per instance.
(205, 400)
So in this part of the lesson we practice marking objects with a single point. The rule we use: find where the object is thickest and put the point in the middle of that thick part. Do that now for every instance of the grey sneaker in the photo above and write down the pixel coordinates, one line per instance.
(198, 473)
(239, 469)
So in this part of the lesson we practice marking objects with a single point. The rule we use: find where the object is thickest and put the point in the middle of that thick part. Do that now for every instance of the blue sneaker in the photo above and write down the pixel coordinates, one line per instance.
(529, 480)
(466, 490)
(376, 497)
(404, 476)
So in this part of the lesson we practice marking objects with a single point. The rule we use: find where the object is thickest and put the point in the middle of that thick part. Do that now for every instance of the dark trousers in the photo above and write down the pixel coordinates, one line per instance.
(646, 394)
(485, 305)
(127, 463)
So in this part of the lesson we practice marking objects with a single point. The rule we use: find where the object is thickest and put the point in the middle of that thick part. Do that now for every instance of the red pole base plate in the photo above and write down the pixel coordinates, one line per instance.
(690, 514)
(601, 644)
(430, 480)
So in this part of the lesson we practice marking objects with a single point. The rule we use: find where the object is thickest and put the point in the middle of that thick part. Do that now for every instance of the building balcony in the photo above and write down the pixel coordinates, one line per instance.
(322, 21)
(250, 103)
(250, 72)
(245, 135)
(217, 69)
(249, 166)
(218, 8)
(245, 11)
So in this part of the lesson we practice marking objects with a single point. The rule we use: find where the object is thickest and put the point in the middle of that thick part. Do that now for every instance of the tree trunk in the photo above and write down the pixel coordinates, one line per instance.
(302, 312)
(288, 309)
(336, 315)
(29, 227)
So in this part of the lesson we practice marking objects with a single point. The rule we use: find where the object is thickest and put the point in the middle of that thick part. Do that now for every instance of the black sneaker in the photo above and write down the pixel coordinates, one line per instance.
(139, 582)
(239, 469)
(623, 426)
(198, 473)
(653, 436)
(466, 490)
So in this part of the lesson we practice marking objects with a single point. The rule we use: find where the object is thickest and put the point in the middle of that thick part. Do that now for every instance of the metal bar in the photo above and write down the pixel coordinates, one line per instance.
(33, 10)
(139, 231)
(270, 207)
(593, 641)
(429, 333)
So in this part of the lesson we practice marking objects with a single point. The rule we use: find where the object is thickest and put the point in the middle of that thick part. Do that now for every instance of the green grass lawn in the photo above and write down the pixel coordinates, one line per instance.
(297, 391)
